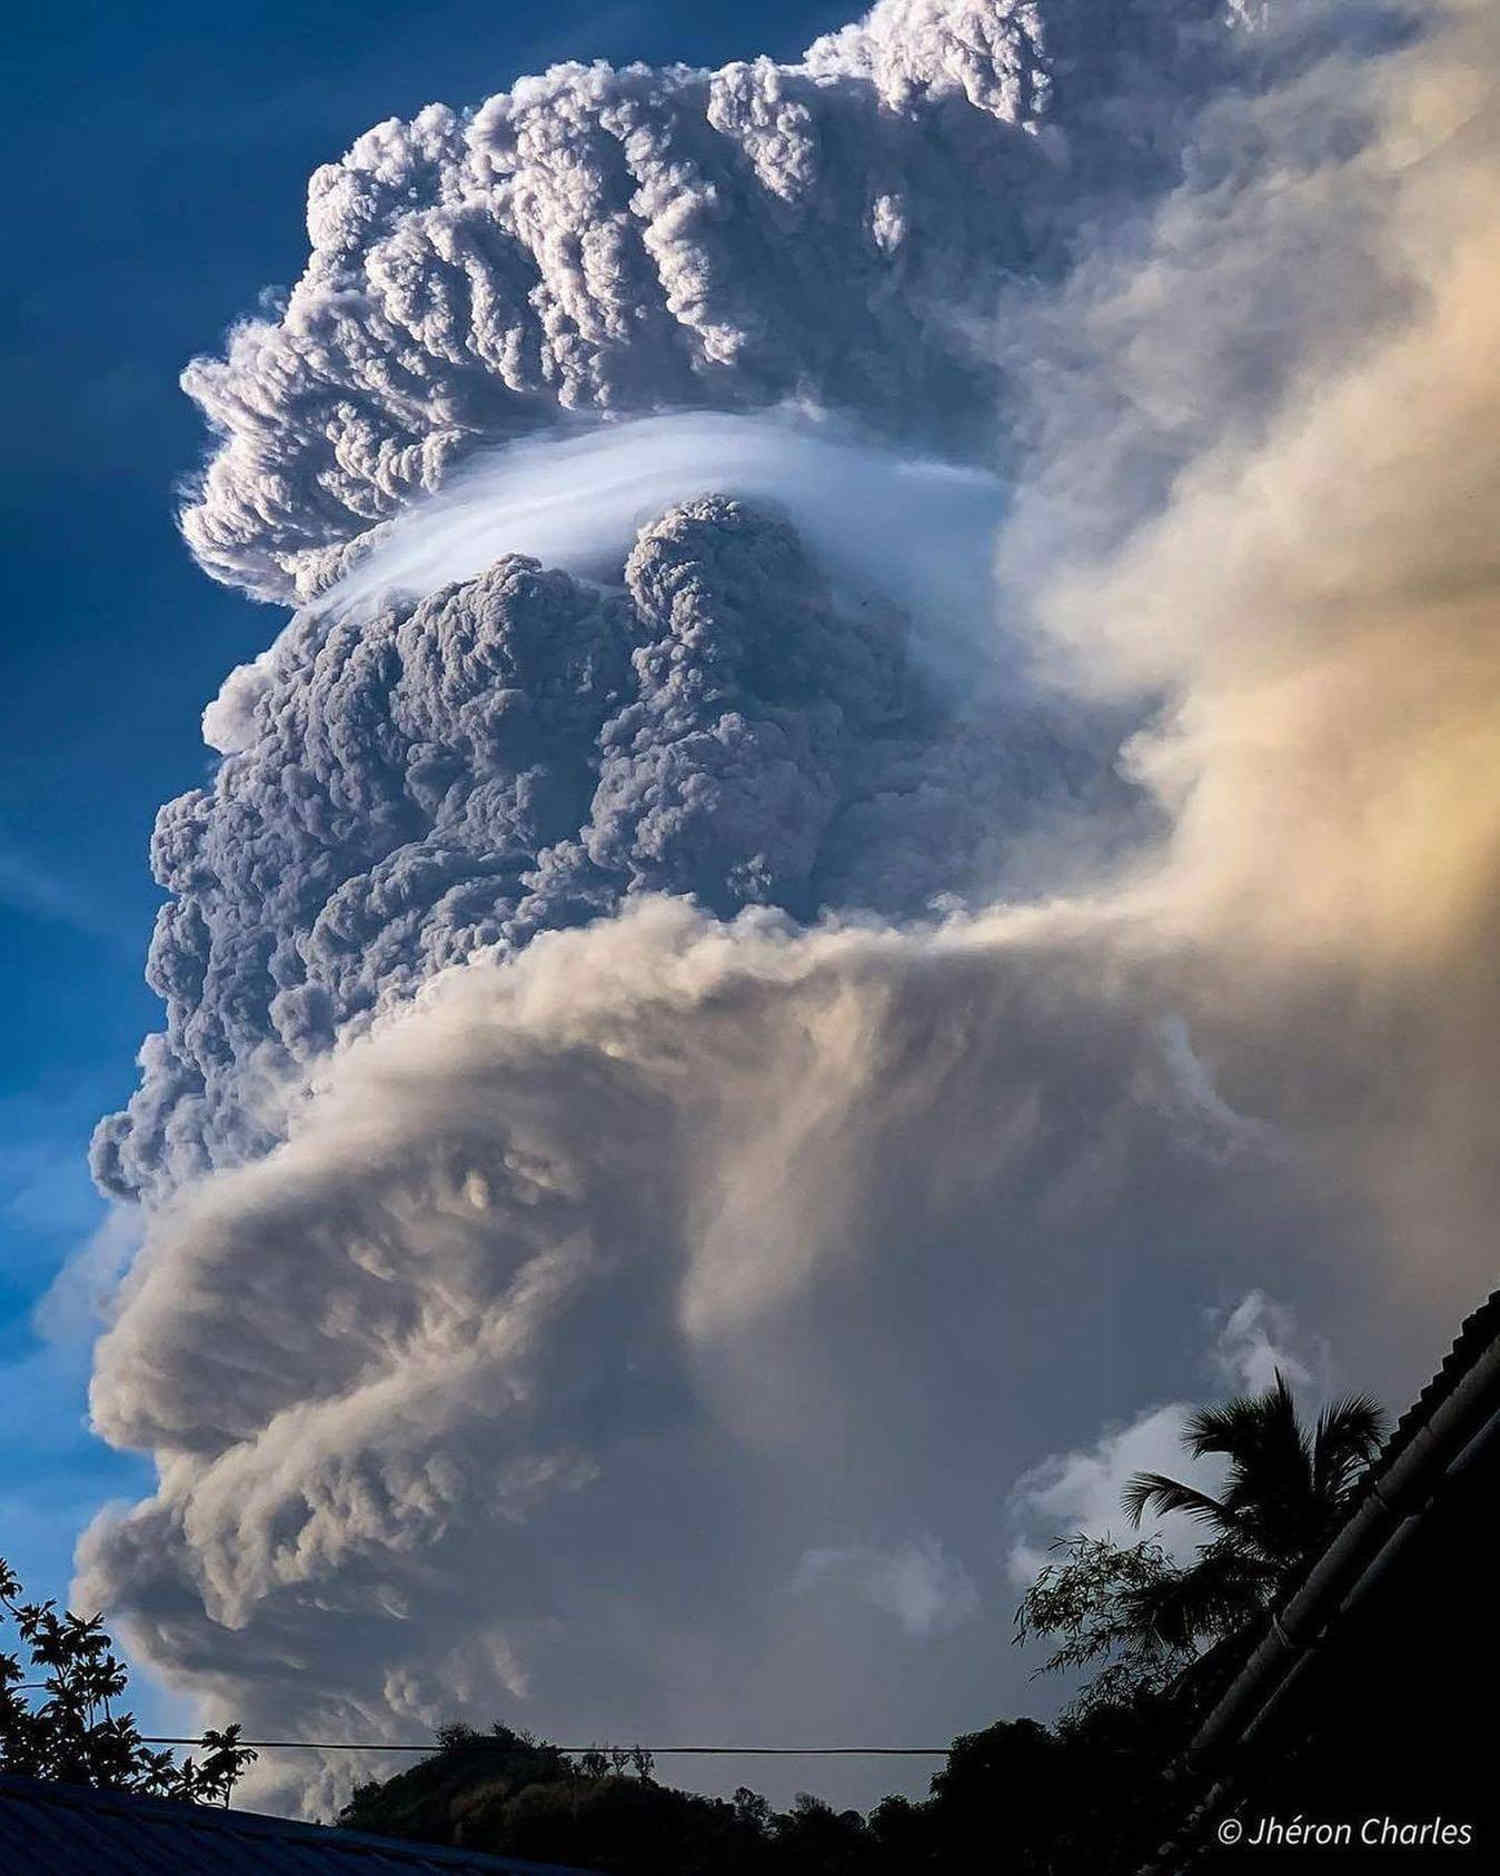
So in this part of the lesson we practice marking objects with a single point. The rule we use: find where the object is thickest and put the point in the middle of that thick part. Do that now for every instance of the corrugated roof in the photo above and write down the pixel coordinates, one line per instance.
(50, 1829)
(1475, 1335)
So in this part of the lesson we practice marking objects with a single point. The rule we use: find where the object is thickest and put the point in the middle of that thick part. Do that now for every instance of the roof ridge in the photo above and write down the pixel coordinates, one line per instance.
(199, 1818)
(1476, 1332)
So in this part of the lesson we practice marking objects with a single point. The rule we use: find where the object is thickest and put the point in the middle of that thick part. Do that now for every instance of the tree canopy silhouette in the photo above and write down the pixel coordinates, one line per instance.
(1160, 1627)
(68, 1728)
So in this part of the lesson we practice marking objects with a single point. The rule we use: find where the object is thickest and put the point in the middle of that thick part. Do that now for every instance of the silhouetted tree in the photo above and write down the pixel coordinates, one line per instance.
(1089, 1602)
(57, 1717)
(1074, 1802)
(508, 1793)
(1287, 1489)
(1162, 1628)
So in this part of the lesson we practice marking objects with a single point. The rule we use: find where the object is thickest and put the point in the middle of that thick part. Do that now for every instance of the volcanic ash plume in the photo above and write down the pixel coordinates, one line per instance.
(523, 752)
(674, 1098)
(621, 242)
(1317, 607)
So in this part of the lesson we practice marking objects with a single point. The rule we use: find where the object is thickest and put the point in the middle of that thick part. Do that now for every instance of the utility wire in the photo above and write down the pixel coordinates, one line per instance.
(480, 1739)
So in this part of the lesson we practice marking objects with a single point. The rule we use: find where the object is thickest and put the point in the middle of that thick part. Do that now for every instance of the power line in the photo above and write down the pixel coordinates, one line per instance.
(481, 1739)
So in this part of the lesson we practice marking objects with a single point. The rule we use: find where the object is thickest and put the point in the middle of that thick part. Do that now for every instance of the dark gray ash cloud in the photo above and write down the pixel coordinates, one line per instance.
(523, 752)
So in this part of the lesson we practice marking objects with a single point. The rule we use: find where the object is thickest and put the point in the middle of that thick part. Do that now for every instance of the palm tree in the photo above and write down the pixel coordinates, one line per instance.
(1179, 1631)
(1286, 1492)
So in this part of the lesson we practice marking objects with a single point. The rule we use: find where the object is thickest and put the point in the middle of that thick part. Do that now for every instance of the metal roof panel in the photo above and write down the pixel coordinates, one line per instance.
(51, 1829)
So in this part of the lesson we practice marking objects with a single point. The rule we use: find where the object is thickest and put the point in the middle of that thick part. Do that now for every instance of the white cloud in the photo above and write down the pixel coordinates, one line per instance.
(915, 531)
(1079, 1491)
(1259, 1336)
(925, 1589)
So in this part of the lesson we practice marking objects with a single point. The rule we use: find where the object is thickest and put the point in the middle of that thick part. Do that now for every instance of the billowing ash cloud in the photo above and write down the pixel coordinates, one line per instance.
(666, 1112)
(615, 242)
(521, 753)
(638, 1336)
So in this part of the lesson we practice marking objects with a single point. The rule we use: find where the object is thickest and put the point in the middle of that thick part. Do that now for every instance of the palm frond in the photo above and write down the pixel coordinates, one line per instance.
(1223, 1428)
(1356, 1423)
(1154, 1491)
(1346, 1438)
(1247, 1425)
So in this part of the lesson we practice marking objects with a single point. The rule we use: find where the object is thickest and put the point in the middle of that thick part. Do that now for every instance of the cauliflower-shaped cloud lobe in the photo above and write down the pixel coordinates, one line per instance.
(617, 242)
(523, 752)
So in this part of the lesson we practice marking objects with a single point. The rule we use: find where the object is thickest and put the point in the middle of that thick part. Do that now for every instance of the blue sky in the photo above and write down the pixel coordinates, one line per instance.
(159, 161)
